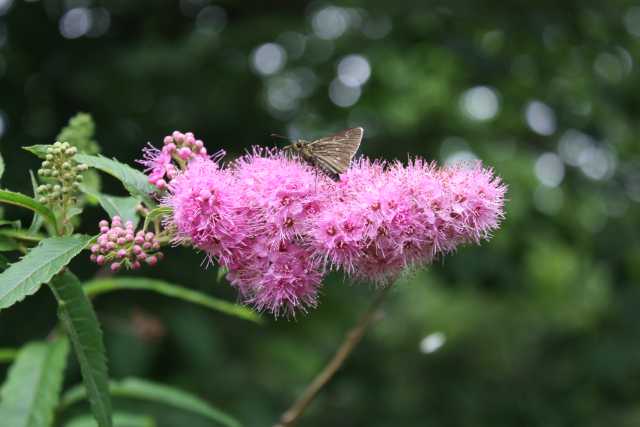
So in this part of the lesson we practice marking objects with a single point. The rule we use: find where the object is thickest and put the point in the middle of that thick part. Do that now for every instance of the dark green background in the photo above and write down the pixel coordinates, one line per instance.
(541, 323)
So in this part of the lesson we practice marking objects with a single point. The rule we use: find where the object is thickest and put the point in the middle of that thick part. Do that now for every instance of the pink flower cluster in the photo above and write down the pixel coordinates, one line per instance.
(178, 150)
(121, 247)
(279, 225)
(252, 217)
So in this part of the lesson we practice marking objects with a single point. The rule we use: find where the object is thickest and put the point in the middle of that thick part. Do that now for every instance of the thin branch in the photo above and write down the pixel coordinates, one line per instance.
(351, 340)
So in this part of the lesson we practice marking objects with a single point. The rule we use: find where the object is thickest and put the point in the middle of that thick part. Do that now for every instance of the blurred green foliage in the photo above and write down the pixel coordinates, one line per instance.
(540, 326)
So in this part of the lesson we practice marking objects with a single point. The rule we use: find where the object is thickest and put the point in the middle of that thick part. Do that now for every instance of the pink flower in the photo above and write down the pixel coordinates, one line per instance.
(163, 165)
(207, 210)
(280, 194)
(277, 224)
(282, 280)
(383, 219)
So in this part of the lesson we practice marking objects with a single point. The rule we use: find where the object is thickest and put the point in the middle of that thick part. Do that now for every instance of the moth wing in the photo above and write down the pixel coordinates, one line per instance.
(334, 153)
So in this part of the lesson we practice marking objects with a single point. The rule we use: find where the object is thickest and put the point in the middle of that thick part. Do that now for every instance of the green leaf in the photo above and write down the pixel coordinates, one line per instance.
(101, 286)
(119, 420)
(11, 223)
(19, 199)
(133, 180)
(7, 244)
(8, 354)
(20, 234)
(36, 222)
(81, 324)
(156, 213)
(135, 388)
(1, 166)
(30, 395)
(39, 150)
(24, 277)
(124, 207)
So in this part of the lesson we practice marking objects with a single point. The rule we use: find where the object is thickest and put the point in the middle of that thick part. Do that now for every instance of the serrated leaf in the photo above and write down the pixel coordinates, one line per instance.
(19, 199)
(101, 286)
(24, 277)
(82, 327)
(39, 150)
(135, 388)
(119, 420)
(30, 395)
(133, 180)
(124, 207)
(157, 213)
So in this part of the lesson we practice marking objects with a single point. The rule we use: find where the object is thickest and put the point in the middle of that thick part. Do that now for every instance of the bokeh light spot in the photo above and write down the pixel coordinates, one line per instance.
(432, 342)
(354, 70)
(5, 5)
(330, 22)
(342, 95)
(480, 103)
(269, 58)
(75, 23)
(549, 169)
(572, 144)
(540, 118)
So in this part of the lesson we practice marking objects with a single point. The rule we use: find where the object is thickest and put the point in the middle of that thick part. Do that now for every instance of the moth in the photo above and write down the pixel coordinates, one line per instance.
(331, 154)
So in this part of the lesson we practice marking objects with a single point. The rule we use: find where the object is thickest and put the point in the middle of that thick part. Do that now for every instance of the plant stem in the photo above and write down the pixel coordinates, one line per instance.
(351, 340)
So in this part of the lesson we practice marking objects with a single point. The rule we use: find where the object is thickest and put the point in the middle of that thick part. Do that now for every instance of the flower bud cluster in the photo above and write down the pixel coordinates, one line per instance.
(63, 174)
(178, 150)
(122, 247)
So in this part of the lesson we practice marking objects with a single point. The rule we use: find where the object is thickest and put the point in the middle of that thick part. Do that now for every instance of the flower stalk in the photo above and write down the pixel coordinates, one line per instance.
(351, 340)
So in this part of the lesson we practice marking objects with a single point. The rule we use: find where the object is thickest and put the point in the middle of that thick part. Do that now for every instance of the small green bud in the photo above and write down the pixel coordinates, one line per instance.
(49, 156)
(42, 200)
(82, 167)
(79, 178)
(66, 165)
(54, 173)
(71, 151)
(57, 144)
(46, 164)
(56, 188)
